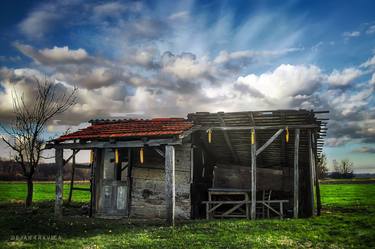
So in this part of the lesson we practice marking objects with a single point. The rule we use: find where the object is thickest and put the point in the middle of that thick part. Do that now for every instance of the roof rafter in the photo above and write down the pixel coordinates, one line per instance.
(228, 140)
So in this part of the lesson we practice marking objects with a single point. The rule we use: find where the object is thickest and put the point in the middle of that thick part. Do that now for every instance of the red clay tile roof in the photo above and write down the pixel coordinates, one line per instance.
(131, 128)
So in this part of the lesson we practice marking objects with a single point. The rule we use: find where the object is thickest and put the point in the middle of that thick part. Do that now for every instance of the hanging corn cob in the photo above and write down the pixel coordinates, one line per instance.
(116, 156)
(209, 136)
(252, 136)
(141, 155)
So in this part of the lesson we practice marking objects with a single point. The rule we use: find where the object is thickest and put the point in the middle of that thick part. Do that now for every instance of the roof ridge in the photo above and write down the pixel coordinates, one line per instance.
(125, 120)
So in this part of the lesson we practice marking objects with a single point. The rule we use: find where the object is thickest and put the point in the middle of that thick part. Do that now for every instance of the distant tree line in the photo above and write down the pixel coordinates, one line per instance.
(342, 169)
(12, 171)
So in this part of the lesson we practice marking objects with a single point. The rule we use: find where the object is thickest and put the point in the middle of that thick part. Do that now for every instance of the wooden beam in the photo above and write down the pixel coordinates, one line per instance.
(320, 112)
(253, 179)
(118, 144)
(170, 192)
(59, 160)
(159, 151)
(312, 171)
(82, 166)
(259, 127)
(266, 144)
(227, 139)
(71, 156)
(251, 117)
(296, 174)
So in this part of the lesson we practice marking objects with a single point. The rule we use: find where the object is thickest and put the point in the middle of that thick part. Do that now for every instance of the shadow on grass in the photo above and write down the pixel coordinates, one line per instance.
(338, 227)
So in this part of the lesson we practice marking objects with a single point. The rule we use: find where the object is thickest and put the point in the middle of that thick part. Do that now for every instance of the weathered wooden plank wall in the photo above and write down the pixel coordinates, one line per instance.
(148, 189)
(236, 176)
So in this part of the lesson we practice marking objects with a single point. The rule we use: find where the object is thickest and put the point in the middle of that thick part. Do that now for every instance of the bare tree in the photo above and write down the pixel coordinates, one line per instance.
(25, 132)
(343, 169)
(322, 166)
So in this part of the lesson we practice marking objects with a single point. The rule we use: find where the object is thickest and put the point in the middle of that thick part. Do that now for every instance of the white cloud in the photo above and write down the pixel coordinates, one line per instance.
(372, 80)
(225, 56)
(108, 9)
(91, 77)
(365, 149)
(181, 15)
(186, 66)
(371, 30)
(55, 55)
(369, 63)
(17, 82)
(64, 54)
(40, 21)
(334, 142)
(344, 77)
(145, 57)
(346, 103)
(351, 34)
(284, 81)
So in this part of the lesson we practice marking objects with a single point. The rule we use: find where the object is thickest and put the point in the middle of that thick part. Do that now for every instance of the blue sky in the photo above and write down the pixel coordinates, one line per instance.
(168, 58)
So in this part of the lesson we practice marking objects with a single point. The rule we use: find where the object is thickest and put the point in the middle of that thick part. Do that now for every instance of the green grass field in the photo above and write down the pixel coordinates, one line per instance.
(43, 191)
(347, 221)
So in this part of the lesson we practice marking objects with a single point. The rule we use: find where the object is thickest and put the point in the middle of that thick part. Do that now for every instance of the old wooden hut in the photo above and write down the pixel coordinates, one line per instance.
(239, 164)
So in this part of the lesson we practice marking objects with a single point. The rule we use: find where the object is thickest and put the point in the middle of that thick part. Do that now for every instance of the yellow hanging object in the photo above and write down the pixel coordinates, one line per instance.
(91, 156)
(141, 155)
(209, 136)
(286, 134)
(116, 156)
(252, 136)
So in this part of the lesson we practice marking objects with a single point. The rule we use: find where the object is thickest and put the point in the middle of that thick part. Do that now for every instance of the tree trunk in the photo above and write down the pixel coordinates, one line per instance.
(30, 188)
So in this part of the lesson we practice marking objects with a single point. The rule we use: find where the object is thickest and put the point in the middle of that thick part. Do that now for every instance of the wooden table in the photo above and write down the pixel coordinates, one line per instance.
(212, 205)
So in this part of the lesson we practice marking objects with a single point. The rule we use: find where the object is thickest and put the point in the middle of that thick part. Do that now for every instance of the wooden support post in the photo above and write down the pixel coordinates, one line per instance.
(253, 179)
(191, 165)
(296, 174)
(59, 160)
(247, 199)
(208, 215)
(73, 173)
(281, 211)
(170, 193)
(93, 167)
(129, 180)
(317, 186)
(312, 171)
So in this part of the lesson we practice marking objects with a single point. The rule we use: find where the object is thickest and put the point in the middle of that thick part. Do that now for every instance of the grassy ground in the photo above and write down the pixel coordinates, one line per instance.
(348, 221)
